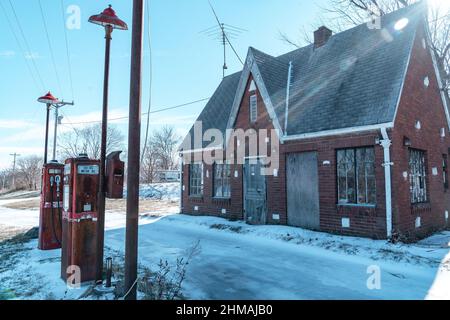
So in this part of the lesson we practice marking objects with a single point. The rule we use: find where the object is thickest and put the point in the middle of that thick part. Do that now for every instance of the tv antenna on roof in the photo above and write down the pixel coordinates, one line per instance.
(224, 32)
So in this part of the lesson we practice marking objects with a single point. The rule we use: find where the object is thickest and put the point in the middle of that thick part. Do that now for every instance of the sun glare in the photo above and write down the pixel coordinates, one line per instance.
(401, 24)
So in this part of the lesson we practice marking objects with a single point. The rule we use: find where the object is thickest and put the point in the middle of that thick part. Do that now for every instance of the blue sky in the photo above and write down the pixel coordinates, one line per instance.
(186, 63)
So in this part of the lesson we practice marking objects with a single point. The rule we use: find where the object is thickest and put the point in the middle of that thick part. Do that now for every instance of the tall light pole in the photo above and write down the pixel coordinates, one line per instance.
(134, 149)
(109, 20)
(50, 101)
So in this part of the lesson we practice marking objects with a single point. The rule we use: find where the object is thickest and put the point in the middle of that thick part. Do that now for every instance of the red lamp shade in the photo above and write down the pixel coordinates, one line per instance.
(48, 99)
(109, 18)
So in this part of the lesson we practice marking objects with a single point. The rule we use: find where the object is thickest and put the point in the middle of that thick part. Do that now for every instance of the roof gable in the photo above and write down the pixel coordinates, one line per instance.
(353, 81)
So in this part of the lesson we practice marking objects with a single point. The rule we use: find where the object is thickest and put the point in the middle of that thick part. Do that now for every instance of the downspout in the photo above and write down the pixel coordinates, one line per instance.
(288, 94)
(386, 144)
(181, 182)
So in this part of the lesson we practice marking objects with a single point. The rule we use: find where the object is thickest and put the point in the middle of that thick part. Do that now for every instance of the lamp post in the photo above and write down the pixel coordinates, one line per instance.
(50, 101)
(109, 20)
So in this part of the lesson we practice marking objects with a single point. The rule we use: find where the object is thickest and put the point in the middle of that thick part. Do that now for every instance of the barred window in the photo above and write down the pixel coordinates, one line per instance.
(196, 180)
(356, 176)
(418, 176)
(253, 108)
(222, 175)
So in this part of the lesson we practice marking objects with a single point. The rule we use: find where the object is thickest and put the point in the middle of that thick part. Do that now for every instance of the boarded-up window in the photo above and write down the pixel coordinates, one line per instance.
(222, 175)
(418, 176)
(356, 176)
(253, 108)
(196, 180)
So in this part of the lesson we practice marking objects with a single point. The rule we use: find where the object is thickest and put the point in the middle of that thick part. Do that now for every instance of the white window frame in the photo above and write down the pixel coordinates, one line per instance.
(196, 180)
(222, 178)
(253, 108)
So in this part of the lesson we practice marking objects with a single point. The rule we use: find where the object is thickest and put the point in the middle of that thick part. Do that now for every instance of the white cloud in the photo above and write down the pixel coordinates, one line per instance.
(95, 117)
(32, 55)
(7, 54)
(14, 124)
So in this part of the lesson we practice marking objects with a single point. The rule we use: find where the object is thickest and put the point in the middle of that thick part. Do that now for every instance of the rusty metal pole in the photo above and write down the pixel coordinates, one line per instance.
(101, 201)
(46, 133)
(134, 150)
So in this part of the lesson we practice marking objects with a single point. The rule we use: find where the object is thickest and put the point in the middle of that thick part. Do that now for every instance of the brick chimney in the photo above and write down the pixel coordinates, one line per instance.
(321, 36)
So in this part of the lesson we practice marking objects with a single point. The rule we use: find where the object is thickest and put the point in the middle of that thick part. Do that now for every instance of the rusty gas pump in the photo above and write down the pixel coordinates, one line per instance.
(81, 184)
(115, 173)
(50, 218)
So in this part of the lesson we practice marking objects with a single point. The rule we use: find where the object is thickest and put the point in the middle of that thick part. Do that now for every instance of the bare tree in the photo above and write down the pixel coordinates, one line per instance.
(160, 153)
(164, 142)
(149, 166)
(88, 140)
(29, 172)
(5, 179)
(343, 14)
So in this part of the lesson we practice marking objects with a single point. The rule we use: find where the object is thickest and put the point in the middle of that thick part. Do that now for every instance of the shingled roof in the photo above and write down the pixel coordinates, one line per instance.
(354, 80)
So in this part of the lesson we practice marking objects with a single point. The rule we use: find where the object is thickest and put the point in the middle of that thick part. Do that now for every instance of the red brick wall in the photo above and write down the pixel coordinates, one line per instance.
(423, 104)
(417, 103)
(364, 221)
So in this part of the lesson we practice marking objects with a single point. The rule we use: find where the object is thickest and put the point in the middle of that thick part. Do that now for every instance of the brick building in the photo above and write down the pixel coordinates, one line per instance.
(361, 141)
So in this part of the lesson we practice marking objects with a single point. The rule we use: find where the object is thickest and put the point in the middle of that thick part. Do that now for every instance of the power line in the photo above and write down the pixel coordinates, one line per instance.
(30, 53)
(50, 47)
(36, 83)
(149, 39)
(67, 49)
(153, 112)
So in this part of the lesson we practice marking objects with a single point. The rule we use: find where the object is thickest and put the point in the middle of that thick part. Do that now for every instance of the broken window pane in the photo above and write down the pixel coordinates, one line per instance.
(356, 176)
(417, 176)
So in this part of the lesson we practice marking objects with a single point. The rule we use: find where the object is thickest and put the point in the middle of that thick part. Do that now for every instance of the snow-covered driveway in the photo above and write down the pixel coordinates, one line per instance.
(234, 265)
(238, 261)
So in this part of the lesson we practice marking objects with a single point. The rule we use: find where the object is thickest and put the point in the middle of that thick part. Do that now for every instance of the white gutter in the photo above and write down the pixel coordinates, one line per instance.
(386, 144)
(336, 132)
(288, 94)
(181, 183)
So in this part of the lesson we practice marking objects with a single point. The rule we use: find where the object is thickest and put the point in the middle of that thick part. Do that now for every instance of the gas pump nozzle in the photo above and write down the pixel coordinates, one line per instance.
(57, 180)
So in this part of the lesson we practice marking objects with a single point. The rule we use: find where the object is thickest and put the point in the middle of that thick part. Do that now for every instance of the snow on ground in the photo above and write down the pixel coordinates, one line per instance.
(250, 262)
(238, 261)
(160, 191)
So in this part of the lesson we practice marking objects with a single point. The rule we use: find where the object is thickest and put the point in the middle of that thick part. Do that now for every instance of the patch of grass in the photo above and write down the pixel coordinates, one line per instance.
(24, 205)
(163, 284)
(22, 238)
(227, 227)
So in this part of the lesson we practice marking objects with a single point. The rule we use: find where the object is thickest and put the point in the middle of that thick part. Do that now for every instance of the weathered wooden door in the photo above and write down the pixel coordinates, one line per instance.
(255, 193)
(303, 190)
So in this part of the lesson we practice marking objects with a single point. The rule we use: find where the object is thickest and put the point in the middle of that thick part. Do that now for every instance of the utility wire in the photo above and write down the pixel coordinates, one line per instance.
(149, 41)
(152, 112)
(67, 49)
(50, 47)
(30, 53)
(36, 83)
